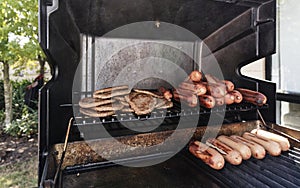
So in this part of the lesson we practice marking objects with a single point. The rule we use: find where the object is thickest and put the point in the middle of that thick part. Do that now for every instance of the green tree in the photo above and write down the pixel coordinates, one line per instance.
(18, 41)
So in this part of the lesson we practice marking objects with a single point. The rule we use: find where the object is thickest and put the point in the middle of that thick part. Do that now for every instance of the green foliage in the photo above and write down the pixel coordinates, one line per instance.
(26, 125)
(19, 32)
(25, 119)
(19, 89)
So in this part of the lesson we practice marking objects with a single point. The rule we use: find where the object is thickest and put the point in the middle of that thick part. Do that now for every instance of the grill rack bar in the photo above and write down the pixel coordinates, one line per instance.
(174, 112)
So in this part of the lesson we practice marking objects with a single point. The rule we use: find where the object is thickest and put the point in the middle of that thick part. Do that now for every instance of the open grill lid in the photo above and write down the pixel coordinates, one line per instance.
(237, 32)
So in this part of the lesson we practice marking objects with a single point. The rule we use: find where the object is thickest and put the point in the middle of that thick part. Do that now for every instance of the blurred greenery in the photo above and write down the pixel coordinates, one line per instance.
(25, 119)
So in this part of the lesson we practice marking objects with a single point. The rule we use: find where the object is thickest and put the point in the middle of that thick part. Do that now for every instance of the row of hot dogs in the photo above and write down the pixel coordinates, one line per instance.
(209, 91)
(234, 149)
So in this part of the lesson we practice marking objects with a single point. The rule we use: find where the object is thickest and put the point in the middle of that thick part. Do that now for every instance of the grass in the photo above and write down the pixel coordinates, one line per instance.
(19, 175)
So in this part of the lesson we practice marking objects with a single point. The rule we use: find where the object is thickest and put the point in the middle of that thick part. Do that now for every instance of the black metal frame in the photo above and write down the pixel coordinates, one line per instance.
(247, 34)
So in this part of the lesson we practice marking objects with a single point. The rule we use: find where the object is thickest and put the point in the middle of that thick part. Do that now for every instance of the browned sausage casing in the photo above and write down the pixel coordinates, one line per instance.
(229, 85)
(273, 148)
(232, 156)
(229, 99)
(282, 141)
(196, 88)
(220, 101)
(166, 93)
(216, 90)
(257, 150)
(242, 148)
(207, 101)
(195, 76)
(254, 97)
(208, 155)
(189, 98)
(238, 97)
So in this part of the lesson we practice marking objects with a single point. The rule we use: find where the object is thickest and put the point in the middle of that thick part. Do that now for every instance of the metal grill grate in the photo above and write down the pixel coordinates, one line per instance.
(173, 112)
(282, 171)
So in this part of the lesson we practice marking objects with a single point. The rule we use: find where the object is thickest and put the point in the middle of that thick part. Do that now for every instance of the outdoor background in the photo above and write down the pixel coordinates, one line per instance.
(22, 61)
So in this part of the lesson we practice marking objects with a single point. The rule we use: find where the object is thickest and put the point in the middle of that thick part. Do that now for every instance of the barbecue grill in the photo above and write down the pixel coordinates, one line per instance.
(76, 35)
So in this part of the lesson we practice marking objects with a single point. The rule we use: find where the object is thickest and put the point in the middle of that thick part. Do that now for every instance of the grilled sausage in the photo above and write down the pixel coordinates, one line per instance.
(195, 76)
(254, 97)
(207, 101)
(229, 99)
(257, 150)
(273, 148)
(190, 99)
(282, 141)
(208, 155)
(216, 90)
(196, 88)
(220, 101)
(238, 97)
(232, 156)
(242, 148)
(229, 85)
(166, 93)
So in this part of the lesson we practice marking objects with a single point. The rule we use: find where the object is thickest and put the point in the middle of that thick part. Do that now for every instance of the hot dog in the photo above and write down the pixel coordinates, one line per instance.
(191, 99)
(229, 85)
(166, 93)
(273, 148)
(232, 156)
(196, 88)
(254, 97)
(207, 101)
(215, 90)
(220, 101)
(208, 155)
(282, 141)
(242, 148)
(229, 99)
(195, 76)
(238, 97)
(257, 150)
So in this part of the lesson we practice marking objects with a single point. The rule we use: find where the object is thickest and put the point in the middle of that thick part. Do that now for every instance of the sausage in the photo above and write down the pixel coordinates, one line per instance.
(197, 88)
(207, 101)
(232, 156)
(257, 150)
(195, 76)
(273, 148)
(242, 148)
(220, 101)
(190, 99)
(282, 141)
(238, 97)
(166, 93)
(229, 85)
(254, 97)
(208, 155)
(229, 99)
(216, 90)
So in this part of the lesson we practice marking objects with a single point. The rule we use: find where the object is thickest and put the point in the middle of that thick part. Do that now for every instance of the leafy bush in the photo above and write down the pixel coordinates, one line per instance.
(25, 119)
(26, 125)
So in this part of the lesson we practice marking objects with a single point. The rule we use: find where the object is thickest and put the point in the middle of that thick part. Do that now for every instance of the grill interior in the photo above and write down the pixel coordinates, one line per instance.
(282, 171)
(72, 36)
(82, 169)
